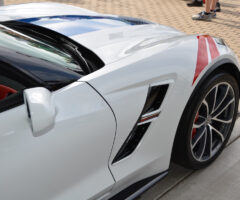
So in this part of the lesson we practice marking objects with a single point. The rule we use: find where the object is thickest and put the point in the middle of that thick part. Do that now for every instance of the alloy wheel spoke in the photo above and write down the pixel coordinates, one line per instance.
(224, 108)
(215, 99)
(198, 125)
(199, 137)
(210, 140)
(206, 104)
(218, 132)
(222, 100)
(222, 120)
(204, 147)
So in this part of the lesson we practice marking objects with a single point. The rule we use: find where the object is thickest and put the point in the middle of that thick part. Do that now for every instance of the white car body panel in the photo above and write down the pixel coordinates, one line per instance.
(60, 164)
(135, 58)
(153, 155)
(117, 43)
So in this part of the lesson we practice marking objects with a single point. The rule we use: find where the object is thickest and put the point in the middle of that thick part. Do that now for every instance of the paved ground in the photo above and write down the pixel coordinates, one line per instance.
(220, 181)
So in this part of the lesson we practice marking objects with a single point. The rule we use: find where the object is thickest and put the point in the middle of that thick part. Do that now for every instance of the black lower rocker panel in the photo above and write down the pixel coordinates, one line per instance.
(139, 187)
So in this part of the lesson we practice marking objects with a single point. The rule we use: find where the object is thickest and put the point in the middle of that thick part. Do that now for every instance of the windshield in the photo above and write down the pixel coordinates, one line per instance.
(31, 47)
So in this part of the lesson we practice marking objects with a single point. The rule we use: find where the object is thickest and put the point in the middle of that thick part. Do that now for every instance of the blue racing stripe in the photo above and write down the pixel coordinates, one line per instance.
(71, 25)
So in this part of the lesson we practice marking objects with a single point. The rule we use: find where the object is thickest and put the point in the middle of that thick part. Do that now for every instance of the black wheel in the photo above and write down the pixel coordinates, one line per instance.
(207, 122)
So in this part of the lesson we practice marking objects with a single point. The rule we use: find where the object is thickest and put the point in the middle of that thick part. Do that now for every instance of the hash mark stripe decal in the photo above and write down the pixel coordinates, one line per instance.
(202, 56)
(149, 117)
(213, 48)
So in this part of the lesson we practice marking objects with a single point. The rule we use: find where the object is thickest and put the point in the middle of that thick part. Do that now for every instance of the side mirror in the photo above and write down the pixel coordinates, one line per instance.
(41, 111)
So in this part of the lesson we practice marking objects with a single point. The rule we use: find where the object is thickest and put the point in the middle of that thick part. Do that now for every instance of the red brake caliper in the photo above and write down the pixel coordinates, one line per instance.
(5, 91)
(194, 131)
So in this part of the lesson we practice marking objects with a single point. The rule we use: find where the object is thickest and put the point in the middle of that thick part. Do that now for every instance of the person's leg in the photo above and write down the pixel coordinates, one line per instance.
(218, 7)
(213, 4)
(215, 7)
(208, 5)
(205, 15)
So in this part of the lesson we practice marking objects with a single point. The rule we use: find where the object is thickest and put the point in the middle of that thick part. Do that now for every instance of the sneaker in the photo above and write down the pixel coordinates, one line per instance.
(218, 7)
(202, 16)
(195, 3)
(214, 14)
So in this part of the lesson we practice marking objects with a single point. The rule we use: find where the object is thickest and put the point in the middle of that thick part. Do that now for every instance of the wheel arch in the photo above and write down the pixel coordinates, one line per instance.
(224, 65)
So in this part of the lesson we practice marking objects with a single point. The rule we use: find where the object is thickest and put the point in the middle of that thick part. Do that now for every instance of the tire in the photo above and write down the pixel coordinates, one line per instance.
(207, 122)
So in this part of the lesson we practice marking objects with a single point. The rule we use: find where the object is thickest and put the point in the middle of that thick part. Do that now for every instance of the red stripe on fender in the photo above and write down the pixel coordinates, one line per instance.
(212, 47)
(202, 56)
(149, 117)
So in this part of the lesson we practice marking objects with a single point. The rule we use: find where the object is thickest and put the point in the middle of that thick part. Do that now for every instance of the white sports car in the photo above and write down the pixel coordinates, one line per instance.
(95, 106)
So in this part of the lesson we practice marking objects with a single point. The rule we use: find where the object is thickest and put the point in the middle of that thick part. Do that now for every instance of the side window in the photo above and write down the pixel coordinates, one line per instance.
(11, 93)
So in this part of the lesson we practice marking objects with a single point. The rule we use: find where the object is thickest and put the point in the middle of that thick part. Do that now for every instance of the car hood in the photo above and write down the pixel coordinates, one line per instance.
(116, 43)
(111, 37)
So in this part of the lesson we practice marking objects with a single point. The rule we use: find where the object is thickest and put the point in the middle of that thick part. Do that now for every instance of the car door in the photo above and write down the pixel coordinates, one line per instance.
(69, 161)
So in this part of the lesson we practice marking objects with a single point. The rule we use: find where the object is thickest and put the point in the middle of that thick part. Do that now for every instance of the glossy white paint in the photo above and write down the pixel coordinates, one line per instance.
(118, 43)
(73, 160)
(124, 84)
(41, 109)
(68, 161)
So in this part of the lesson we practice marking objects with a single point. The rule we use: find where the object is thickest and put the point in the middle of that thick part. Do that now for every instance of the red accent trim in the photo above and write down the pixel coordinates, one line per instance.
(202, 56)
(194, 131)
(5, 91)
(213, 48)
(149, 117)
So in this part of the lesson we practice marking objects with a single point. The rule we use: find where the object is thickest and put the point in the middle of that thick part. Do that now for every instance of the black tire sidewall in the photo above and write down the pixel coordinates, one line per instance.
(190, 113)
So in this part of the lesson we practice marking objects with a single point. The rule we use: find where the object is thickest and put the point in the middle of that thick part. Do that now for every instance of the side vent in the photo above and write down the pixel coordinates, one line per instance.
(155, 98)
(150, 112)
(131, 142)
